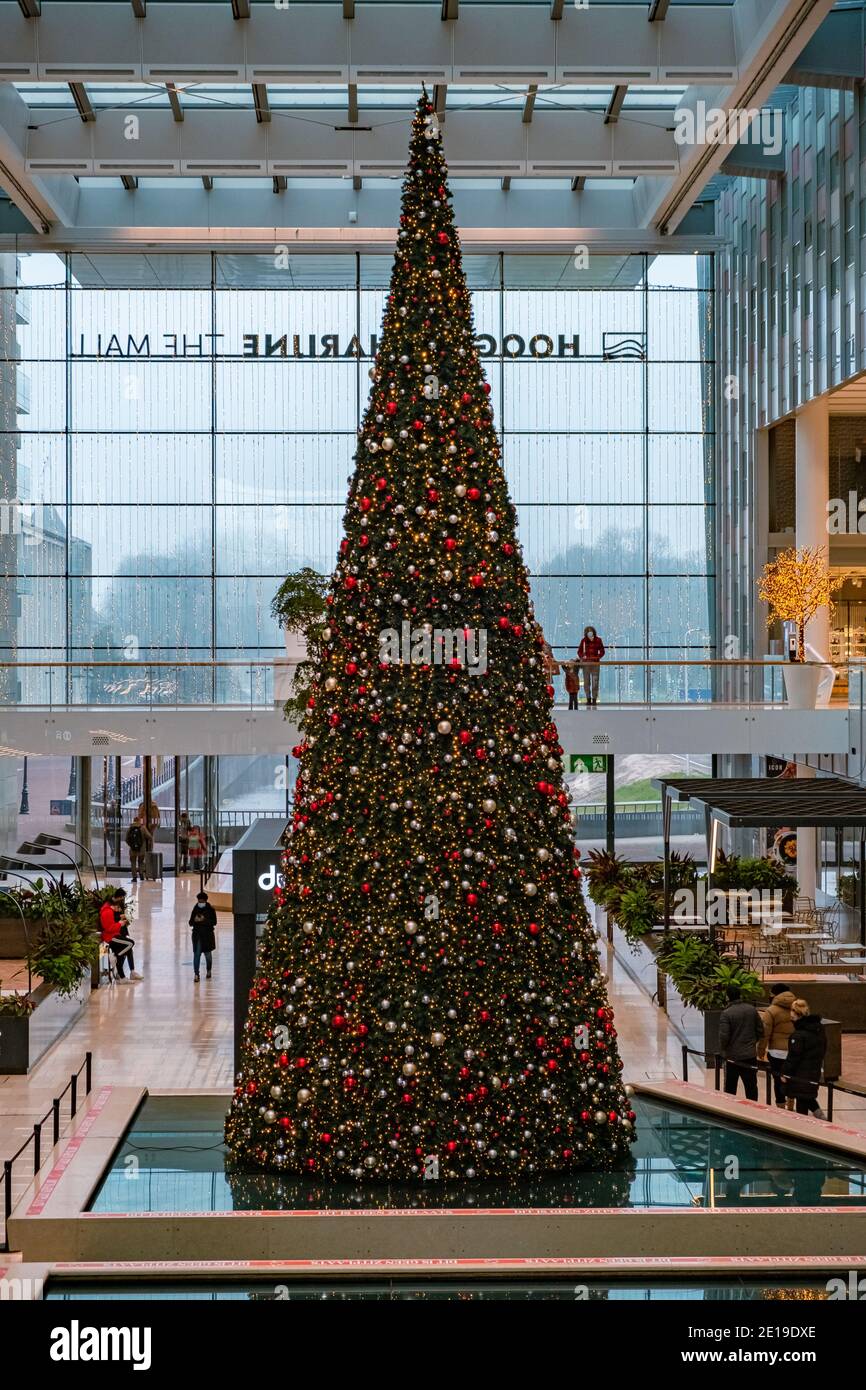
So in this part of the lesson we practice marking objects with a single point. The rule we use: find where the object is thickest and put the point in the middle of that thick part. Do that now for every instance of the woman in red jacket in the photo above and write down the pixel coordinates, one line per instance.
(589, 654)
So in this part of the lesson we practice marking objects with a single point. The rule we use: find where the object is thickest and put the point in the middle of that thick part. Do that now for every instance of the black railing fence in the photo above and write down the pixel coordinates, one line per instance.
(35, 1136)
(717, 1061)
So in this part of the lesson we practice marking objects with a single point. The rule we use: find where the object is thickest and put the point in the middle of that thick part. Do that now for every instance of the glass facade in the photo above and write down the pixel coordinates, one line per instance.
(792, 316)
(176, 433)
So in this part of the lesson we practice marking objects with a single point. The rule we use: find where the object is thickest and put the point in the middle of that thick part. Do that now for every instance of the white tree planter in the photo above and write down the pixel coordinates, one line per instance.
(801, 684)
(284, 667)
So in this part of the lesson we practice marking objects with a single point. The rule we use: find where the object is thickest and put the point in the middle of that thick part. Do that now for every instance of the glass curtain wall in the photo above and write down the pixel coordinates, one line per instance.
(176, 432)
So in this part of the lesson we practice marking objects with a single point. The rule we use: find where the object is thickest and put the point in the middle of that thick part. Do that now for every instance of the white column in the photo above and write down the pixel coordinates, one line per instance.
(812, 442)
(807, 849)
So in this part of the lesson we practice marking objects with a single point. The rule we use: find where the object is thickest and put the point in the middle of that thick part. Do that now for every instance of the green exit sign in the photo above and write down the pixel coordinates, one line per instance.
(587, 762)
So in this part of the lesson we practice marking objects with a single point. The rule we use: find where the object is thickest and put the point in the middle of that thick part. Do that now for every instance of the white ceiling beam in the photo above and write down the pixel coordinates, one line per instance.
(489, 143)
(770, 38)
(492, 43)
(42, 200)
(522, 219)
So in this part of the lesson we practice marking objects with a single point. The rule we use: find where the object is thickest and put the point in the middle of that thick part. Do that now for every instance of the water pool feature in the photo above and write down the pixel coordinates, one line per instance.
(172, 1159)
(478, 1290)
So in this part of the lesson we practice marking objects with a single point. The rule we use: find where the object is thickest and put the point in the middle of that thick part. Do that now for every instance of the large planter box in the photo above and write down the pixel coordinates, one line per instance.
(13, 937)
(23, 1041)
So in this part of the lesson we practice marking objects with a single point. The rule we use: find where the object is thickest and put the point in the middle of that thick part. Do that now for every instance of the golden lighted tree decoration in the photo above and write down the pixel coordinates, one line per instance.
(797, 585)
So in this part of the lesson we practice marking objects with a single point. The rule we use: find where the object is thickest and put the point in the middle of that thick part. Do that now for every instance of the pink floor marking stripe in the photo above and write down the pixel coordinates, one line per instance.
(49, 1186)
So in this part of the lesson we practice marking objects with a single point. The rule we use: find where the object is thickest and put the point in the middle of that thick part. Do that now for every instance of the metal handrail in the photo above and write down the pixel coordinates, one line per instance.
(35, 1136)
(726, 662)
(719, 1060)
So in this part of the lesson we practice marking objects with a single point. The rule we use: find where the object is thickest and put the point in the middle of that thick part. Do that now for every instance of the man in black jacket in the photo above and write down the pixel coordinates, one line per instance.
(203, 921)
(740, 1029)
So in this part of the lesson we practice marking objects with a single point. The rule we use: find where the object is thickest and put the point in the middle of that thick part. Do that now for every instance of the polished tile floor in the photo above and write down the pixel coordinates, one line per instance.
(167, 1033)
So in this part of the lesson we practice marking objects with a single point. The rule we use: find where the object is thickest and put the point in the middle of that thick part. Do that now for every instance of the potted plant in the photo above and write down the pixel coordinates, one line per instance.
(796, 586)
(64, 954)
(299, 608)
(15, 1005)
(703, 977)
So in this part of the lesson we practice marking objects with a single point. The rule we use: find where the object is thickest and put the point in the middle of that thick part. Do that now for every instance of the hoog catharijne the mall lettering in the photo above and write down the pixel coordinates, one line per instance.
(304, 345)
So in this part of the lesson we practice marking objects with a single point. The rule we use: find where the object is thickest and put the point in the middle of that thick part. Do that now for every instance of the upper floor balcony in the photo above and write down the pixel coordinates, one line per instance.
(236, 706)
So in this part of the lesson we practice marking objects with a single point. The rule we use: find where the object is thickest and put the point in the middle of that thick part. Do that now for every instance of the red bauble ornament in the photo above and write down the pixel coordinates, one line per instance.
(286, 1122)
(466, 398)
(442, 238)
(497, 928)
(534, 929)
(366, 887)
(391, 407)
(365, 504)
(338, 1021)
(472, 899)
(450, 543)
(473, 493)
(351, 581)
(476, 580)
(351, 668)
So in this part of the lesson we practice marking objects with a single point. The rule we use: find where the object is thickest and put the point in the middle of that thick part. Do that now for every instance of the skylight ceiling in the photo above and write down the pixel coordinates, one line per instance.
(281, 96)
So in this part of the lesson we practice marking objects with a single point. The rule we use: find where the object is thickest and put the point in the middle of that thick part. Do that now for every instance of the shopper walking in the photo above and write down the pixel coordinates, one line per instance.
(197, 849)
(183, 829)
(805, 1061)
(589, 654)
(203, 921)
(778, 1027)
(139, 842)
(740, 1031)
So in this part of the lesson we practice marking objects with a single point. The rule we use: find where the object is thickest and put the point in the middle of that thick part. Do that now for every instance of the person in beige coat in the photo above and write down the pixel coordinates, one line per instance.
(778, 1027)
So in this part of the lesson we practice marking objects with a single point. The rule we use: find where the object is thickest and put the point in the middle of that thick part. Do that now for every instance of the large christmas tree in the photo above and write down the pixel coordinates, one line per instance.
(429, 1000)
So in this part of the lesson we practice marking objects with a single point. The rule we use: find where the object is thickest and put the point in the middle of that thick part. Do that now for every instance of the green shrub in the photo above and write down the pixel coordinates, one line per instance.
(65, 953)
(732, 871)
(702, 978)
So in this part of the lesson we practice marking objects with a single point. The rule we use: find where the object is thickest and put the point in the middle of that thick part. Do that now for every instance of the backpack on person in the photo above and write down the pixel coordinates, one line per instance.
(135, 839)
